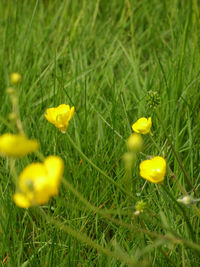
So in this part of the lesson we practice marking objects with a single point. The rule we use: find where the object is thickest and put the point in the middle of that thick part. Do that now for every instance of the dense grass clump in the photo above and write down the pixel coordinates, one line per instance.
(115, 62)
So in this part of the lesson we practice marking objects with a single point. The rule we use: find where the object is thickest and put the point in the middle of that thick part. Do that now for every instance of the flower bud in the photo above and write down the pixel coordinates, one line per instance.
(15, 78)
(140, 206)
(134, 142)
(187, 200)
(10, 91)
(129, 159)
(12, 116)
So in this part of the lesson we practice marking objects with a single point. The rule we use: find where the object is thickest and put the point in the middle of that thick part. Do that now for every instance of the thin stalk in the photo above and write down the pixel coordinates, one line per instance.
(13, 170)
(155, 144)
(106, 215)
(196, 210)
(180, 186)
(182, 212)
(176, 155)
(123, 257)
(98, 169)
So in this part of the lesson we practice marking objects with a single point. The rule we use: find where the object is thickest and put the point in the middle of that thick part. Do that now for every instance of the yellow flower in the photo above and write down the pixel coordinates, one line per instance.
(15, 78)
(153, 170)
(142, 126)
(134, 142)
(60, 116)
(16, 145)
(38, 182)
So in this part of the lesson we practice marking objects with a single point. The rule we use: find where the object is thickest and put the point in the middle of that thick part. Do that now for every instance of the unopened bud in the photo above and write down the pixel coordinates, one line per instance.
(129, 160)
(12, 116)
(134, 142)
(10, 91)
(187, 200)
(15, 78)
(140, 206)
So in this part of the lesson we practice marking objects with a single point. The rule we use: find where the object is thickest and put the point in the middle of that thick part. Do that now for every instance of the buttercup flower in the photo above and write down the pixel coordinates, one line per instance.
(142, 126)
(60, 116)
(153, 170)
(15, 78)
(38, 182)
(16, 145)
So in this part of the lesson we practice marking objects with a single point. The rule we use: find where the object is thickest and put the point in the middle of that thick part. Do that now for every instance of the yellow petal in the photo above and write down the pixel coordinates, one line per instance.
(21, 200)
(62, 108)
(71, 113)
(54, 166)
(51, 115)
(32, 178)
(34, 183)
(16, 145)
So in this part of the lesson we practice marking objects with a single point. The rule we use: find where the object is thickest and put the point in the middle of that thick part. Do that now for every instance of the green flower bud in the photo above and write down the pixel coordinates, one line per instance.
(140, 206)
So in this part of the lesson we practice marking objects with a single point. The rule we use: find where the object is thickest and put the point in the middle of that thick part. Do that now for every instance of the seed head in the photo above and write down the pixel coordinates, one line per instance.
(153, 99)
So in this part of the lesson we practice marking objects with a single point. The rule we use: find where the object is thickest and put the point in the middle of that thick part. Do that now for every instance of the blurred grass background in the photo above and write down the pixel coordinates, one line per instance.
(103, 57)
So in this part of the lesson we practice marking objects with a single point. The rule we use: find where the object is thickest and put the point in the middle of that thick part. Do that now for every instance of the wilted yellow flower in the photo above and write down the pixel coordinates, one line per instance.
(15, 78)
(38, 182)
(153, 170)
(60, 116)
(142, 126)
(16, 145)
(134, 142)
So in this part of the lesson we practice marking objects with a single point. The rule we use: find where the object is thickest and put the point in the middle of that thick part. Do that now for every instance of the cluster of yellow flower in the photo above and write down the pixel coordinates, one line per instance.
(39, 181)
(153, 169)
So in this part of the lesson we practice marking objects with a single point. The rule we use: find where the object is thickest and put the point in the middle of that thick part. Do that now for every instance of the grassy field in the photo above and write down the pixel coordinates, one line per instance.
(103, 58)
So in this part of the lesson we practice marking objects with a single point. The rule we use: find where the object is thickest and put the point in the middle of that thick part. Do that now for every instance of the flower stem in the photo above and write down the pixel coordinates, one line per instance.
(176, 155)
(123, 257)
(181, 211)
(107, 215)
(98, 169)
(171, 173)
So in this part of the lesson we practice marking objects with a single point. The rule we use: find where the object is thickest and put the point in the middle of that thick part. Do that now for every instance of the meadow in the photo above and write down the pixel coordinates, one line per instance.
(115, 62)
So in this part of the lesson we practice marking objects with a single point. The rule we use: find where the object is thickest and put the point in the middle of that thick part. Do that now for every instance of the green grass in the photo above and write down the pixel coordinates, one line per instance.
(103, 57)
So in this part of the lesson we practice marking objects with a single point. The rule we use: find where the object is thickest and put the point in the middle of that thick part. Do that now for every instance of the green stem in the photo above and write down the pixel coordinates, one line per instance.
(98, 169)
(156, 145)
(13, 170)
(176, 155)
(55, 144)
(180, 186)
(197, 211)
(182, 212)
(106, 215)
(85, 239)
